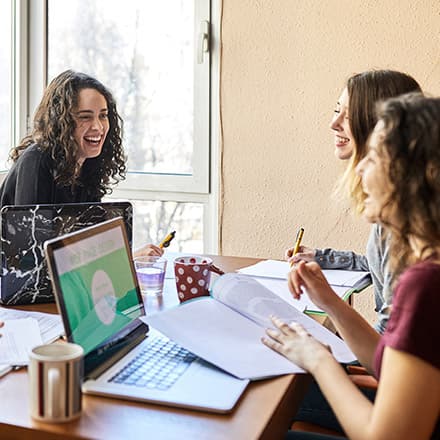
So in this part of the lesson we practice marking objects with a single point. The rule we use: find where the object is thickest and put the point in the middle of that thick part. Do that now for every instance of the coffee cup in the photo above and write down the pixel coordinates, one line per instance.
(55, 375)
(193, 276)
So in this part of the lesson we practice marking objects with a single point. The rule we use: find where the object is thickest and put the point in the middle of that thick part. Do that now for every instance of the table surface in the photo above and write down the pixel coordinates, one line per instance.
(264, 410)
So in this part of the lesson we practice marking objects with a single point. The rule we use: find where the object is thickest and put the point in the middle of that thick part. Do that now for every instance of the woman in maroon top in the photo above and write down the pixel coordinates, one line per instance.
(401, 180)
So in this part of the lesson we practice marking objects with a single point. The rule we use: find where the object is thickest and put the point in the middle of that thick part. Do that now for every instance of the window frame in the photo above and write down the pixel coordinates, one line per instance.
(30, 76)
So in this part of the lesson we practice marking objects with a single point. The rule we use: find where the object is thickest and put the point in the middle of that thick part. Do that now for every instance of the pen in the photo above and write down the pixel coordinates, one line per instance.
(298, 239)
(167, 240)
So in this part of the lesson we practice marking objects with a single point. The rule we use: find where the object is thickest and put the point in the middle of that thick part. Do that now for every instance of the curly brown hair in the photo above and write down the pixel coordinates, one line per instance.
(411, 144)
(53, 131)
(364, 91)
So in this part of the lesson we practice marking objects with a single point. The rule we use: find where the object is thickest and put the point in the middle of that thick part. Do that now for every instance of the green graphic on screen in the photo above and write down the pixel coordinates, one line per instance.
(100, 298)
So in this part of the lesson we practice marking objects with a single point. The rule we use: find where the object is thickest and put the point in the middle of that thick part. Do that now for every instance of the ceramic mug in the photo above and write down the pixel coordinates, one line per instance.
(193, 276)
(55, 375)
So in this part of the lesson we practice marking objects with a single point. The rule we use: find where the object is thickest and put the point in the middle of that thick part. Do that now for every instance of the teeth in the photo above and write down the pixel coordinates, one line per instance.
(343, 138)
(93, 139)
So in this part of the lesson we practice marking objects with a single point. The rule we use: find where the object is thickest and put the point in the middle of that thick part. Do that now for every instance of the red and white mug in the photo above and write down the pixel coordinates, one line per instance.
(193, 276)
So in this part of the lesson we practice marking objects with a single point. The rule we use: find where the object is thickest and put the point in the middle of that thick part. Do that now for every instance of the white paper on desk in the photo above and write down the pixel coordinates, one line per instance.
(51, 326)
(304, 303)
(231, 340)
(19, 337)
(279, 270)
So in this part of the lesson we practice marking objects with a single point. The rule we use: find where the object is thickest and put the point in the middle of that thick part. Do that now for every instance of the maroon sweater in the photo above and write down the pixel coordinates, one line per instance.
(414, 325)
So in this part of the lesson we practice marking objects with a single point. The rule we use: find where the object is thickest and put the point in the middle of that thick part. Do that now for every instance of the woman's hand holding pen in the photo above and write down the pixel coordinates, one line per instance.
(148, 250)
(310, 276)
(304, 254)
(293, 342)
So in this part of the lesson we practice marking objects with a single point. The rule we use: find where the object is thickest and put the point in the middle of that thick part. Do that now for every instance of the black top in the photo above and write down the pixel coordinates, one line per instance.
(31, 181)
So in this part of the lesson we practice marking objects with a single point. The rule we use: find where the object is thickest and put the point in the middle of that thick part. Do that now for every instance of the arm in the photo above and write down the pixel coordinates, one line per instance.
(356, 332)
(329, 258)
(396, 413)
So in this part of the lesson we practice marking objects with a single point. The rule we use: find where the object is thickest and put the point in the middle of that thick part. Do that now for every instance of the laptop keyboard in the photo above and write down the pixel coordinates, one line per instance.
(157, 366)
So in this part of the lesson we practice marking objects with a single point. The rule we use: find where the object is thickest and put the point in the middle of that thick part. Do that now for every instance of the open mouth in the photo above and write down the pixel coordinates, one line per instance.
(93, 140)
(341, 141)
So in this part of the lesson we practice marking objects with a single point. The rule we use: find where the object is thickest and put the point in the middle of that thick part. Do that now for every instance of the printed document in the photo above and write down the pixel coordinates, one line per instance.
(226, 328)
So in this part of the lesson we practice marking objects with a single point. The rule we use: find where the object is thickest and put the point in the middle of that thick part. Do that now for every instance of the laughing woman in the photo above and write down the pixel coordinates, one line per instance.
(74, 152)
(401, 181)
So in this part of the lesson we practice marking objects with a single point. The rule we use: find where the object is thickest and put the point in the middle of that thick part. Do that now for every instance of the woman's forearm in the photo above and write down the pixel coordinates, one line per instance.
(355, 330)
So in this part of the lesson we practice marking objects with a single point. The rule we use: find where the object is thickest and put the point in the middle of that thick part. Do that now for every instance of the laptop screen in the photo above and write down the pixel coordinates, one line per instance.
(95, 284)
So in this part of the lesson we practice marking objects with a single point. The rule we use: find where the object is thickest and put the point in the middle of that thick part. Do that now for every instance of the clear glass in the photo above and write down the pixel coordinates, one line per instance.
(153, 220)
(5, 82)
(143, 51)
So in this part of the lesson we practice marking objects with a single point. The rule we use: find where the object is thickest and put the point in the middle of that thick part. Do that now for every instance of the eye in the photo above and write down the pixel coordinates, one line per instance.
(103, 116)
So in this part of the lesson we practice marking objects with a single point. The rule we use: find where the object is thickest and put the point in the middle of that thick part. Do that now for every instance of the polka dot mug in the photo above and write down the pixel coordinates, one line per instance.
(193, 275)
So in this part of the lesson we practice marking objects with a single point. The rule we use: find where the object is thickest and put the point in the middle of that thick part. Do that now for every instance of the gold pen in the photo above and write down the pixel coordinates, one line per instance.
(167, 240)
(299, 237)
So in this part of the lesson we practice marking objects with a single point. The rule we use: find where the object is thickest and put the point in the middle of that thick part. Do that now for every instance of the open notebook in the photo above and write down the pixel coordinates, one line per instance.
(273, 275)
(100, 303)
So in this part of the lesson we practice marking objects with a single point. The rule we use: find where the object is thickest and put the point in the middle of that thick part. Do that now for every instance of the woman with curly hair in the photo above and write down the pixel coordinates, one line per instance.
(400, 178)
(353, 121)
(74, 152)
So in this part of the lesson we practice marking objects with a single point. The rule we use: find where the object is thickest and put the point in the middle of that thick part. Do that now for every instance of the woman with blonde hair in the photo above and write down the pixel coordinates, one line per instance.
(353, 121)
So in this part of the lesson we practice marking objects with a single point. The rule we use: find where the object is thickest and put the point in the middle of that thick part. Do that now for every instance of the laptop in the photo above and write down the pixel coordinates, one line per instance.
(24, 229)
(100, 302)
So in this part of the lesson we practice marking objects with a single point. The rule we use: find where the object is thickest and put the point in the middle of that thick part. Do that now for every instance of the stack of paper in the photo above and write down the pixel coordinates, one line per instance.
(23, 331)
(273, 275)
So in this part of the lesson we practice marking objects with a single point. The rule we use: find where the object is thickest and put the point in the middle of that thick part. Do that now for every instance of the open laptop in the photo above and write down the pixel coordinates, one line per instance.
(24, 229)
(100, 302)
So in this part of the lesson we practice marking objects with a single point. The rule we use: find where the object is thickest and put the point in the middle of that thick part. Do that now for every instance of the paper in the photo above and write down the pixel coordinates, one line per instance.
(304, 303)
(226, 329)
(280, 269)
(51, 326)
(19, 336)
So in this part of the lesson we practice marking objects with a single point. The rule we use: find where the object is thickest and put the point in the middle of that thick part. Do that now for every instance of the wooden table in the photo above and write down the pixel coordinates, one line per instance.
(264, 411)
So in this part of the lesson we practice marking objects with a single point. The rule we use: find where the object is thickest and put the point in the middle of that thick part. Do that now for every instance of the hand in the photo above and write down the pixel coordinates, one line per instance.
(304, 254)
(294, 343)
(148, 250)
(310, 276)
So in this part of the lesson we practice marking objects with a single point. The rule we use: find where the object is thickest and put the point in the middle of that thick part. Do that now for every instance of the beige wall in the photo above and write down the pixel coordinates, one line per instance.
(283, 65)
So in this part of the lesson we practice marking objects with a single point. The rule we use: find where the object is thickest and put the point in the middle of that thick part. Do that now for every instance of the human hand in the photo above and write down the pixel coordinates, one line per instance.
(304, 254)
(148, 250)
(294, 343)
(310, 276)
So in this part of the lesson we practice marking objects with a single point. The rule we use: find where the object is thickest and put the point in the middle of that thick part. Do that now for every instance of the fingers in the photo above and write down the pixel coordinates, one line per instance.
(288, 254)
(294, 280)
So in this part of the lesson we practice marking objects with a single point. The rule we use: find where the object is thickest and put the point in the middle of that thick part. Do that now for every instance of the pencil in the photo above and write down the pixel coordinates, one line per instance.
(299, 237)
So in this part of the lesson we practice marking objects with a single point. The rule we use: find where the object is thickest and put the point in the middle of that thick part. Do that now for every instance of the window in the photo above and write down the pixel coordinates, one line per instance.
(5, 82)
(156, 58)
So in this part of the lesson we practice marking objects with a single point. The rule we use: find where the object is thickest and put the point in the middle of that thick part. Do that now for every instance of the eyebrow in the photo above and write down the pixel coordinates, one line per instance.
(91, 111)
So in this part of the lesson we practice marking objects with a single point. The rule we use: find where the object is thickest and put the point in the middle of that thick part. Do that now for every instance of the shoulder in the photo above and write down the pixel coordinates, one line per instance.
(419, 284)
(34, 157)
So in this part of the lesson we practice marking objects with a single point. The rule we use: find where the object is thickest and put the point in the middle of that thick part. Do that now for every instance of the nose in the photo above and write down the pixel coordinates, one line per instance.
(335, 123)
(97, 124)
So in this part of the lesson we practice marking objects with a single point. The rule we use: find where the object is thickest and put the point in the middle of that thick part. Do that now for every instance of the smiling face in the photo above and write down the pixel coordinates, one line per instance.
(92, 124)
(340, 124)
(374, 172)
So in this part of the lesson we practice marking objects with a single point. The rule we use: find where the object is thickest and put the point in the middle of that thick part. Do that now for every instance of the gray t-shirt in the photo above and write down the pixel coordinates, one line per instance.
(375, 262)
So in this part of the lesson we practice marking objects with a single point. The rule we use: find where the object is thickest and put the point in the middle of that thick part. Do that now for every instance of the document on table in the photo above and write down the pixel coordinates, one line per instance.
(18, 338)
(49, 327)
(273, 275)
(226, 328)
(279, 270)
